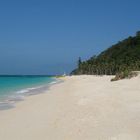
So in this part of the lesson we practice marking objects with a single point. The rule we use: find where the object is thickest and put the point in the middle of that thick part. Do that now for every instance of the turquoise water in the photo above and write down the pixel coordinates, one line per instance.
(14, 88)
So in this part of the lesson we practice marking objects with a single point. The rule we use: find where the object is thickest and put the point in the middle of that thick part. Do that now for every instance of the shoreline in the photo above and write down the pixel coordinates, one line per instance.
(80, 108)
(10, 101)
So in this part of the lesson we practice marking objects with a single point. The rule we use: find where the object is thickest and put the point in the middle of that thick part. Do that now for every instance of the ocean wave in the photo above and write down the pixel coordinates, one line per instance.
(53, 82)
(19, 95)
(22, 91)
(26, 90)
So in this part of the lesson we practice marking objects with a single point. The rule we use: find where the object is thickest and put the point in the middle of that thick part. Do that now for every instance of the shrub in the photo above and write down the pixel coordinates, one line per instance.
(124, 75)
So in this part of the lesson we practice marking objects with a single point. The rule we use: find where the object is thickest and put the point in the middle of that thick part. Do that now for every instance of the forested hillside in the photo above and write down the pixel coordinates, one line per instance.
(125, 55)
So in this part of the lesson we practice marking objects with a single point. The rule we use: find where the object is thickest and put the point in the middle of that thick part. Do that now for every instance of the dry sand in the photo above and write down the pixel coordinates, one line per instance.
(80, 108)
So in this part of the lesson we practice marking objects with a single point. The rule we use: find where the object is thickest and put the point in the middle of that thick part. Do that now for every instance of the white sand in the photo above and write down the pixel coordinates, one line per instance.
(81, 108)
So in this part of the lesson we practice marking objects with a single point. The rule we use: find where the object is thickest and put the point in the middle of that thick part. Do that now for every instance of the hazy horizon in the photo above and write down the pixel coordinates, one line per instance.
(47, 37)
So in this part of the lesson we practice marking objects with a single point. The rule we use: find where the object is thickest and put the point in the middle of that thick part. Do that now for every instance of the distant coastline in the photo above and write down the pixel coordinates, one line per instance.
(22, 75)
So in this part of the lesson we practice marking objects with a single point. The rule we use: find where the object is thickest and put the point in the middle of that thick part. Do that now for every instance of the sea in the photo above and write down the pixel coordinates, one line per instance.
(14, 88)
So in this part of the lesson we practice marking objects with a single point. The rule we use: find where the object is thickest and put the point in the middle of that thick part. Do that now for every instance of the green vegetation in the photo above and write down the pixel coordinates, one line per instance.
(122, 57)
(124, 74)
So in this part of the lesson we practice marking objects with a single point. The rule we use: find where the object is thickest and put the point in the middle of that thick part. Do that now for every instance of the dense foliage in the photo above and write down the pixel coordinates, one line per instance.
(123, 56)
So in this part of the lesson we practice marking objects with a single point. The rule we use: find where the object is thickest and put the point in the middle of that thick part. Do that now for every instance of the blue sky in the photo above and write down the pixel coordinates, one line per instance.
(47, 37)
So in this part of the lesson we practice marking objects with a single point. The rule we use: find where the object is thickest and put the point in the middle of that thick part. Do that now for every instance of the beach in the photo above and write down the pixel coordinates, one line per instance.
(79, 108)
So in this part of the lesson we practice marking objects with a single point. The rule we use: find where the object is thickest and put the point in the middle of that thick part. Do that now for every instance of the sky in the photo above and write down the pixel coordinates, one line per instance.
(48, 36)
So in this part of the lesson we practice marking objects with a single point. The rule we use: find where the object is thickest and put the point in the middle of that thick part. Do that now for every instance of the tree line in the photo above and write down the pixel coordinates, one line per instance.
(123, 56)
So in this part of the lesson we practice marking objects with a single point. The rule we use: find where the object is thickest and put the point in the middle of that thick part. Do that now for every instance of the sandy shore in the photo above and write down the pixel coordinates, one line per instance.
(80, 108)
